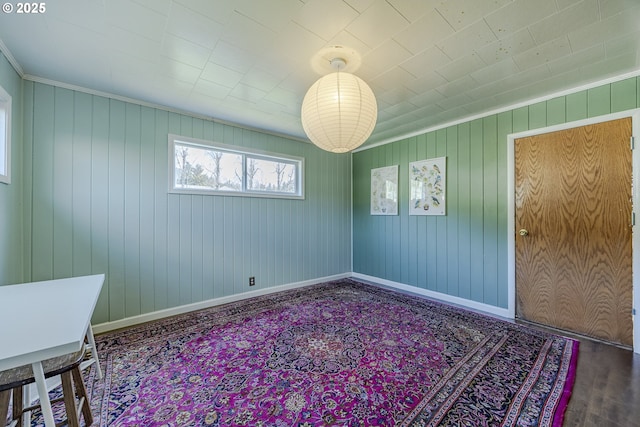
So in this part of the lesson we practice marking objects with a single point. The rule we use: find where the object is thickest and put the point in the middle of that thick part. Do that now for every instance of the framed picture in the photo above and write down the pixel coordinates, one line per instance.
(427, 186)
(384, 191)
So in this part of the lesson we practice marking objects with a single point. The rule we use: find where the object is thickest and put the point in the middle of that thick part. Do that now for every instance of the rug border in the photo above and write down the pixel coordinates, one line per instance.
(563, 403)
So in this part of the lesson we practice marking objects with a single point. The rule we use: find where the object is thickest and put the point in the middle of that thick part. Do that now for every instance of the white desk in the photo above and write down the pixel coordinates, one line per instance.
(41, 320)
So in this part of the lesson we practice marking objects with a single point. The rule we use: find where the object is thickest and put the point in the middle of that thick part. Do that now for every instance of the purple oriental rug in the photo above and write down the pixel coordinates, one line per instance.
(341, 353)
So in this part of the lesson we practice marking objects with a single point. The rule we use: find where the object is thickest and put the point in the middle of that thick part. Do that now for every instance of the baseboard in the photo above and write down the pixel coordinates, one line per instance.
(160, 314)
(461, 302)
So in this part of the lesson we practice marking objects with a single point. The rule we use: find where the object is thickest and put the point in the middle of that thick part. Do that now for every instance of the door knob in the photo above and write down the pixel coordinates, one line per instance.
(523, 232)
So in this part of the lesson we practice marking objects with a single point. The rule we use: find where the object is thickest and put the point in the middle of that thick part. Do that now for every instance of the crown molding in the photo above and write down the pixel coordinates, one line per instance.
(12, 60)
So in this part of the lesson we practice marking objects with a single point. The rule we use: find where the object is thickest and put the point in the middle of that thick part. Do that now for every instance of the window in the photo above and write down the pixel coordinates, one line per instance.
(201, 167)
(5, 136)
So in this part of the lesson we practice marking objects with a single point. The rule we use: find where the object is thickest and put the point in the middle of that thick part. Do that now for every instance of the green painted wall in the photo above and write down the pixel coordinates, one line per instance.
(464, 253)
(11, 195)
(96, 183)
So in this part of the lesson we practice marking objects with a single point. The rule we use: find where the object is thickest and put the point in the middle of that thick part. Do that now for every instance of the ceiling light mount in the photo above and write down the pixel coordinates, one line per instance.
(322, 61)
(338, 64)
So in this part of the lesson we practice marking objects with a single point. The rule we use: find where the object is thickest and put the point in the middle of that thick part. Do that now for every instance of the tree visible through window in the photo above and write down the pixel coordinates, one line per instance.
(199, 167)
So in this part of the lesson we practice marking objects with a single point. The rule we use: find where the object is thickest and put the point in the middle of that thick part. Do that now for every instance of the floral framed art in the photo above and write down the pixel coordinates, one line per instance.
(427, 186)
(384, 190)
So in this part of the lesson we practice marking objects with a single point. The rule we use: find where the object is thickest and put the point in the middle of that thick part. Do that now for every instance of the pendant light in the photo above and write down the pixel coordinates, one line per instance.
(339, 110)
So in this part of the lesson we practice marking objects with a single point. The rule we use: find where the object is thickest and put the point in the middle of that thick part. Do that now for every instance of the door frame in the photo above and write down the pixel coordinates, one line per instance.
(635, 239)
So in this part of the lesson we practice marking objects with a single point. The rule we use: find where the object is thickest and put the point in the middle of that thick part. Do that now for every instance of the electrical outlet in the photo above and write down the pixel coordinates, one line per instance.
(252, 281)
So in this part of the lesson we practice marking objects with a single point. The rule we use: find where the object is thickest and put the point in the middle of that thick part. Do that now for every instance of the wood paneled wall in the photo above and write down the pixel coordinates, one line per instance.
(464, 253)
(11, 222)
(96, 201)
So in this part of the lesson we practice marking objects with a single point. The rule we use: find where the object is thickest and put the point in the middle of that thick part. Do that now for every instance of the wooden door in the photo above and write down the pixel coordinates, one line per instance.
(573, 198)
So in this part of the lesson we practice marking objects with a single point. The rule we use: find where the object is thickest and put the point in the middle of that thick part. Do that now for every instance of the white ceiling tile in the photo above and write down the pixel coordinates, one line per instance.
(460, 67)
(326, 18)
(563, 4)
(427, 81)
(283, 96)
(272, 14)
(260, 79)
(505, 48)
(217, 10)
(160, 6)
(579, 15)
(211, 89)
(577, 60)
(424, 33)
(385, 57)
(519, 14)
(220, 74)
(425, 61)
(138, 20)
(360, 5)
(90, 15)
(179, 71)
(193, 26)
(134, 45)
(457, 87)
(185, 51)
(428, 97)
(247, 93)
(377, 23)
(287, 69)
(609, 8)
(544, 53)
(486, 91)
(412, 10)
(613, 27)
(451, 102)
(471, 38)
(298, 42)
(247, 34)
(522, 79)
(462, 13)
(232, 57)
(396, 78)
(494, 72)
(623, 45)
(395, 96)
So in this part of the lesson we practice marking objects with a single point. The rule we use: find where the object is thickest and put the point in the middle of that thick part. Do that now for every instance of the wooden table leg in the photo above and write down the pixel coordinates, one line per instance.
(47, 412)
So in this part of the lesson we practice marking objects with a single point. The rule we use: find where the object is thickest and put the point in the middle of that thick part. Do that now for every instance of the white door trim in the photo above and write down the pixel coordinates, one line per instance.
(511, 244)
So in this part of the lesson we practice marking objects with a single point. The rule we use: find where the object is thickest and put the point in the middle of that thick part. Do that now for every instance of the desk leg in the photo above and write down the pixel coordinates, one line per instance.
(94, 351)
(47, 412)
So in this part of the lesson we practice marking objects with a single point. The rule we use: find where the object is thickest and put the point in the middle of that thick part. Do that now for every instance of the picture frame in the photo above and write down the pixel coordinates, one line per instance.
(427, 186)
(384, 190)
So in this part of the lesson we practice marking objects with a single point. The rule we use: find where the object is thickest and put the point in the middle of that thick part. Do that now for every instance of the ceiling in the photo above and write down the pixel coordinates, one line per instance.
(250, 62)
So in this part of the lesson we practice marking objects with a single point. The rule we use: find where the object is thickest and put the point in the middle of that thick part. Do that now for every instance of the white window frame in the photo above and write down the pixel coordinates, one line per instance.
(5, 137)
(245, 153)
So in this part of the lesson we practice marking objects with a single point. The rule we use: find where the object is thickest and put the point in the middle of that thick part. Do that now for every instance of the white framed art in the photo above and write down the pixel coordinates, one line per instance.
(384, 190)
(427, 186)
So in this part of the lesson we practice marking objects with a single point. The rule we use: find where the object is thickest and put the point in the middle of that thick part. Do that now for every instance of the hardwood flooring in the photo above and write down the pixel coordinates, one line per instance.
(606, 392)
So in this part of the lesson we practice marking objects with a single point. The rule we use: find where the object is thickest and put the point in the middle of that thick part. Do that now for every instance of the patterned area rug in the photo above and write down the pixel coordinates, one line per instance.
(341, 353)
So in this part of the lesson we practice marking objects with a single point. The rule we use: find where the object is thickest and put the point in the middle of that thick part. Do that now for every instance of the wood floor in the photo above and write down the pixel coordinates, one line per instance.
(606, 392)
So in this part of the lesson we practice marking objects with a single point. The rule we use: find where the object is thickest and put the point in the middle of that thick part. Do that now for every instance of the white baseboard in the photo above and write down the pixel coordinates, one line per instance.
(462, 302)
(160, 314)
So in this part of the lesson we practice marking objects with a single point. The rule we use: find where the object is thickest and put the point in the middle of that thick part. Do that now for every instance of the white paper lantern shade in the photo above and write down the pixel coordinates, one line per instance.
(339, 112)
